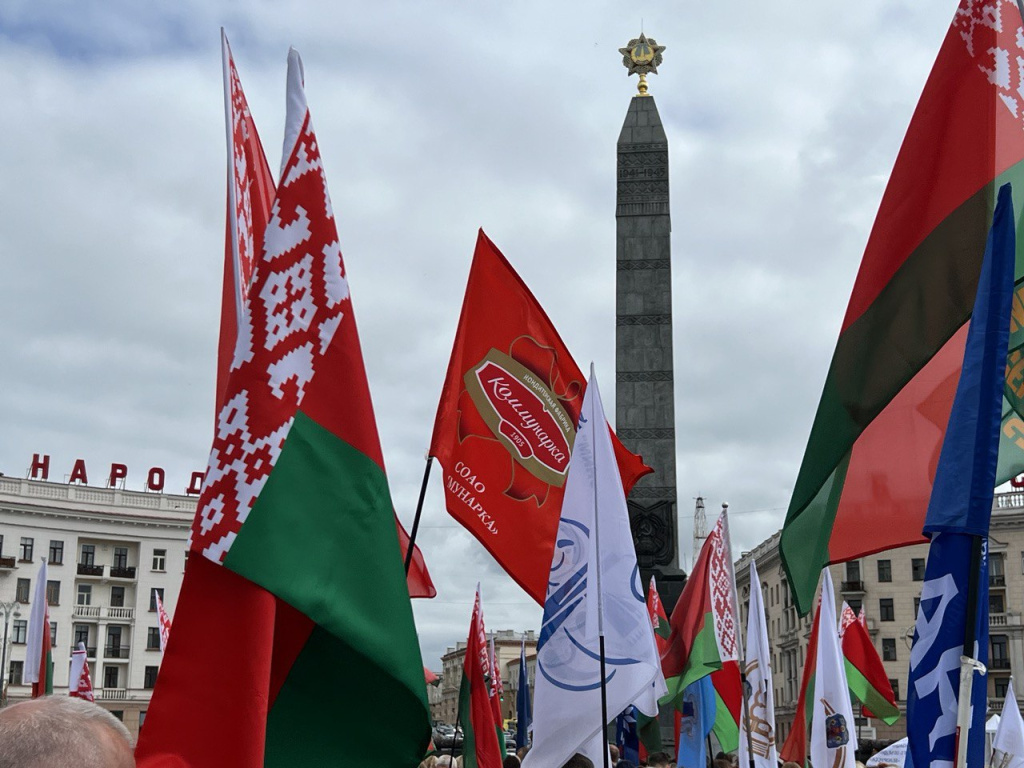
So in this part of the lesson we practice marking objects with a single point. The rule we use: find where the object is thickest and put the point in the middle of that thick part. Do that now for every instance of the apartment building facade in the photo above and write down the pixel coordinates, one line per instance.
(109, 552)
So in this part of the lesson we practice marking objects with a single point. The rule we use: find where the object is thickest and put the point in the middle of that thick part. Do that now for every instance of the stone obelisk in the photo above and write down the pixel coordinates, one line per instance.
(644, 400)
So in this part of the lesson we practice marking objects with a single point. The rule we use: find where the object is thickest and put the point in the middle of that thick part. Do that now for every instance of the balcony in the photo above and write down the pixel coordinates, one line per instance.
(90, 570)
(87, 611)
(122, 572)
(119, 612)
(114, 612)
(852, 586)
(7, 562)
(115, 652)
(113, 694)
(999, 664)
(90, 653)
(996, 580)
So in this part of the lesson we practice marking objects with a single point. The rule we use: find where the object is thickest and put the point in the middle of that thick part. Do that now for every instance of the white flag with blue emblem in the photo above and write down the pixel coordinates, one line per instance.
(594, 588)
(833, 740)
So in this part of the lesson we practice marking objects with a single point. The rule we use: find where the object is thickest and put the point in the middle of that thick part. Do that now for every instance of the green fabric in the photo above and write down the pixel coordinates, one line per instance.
(869, 696)
(703, 660)
(648, 730)
(465, 719)
(322, 537)
(727, 730)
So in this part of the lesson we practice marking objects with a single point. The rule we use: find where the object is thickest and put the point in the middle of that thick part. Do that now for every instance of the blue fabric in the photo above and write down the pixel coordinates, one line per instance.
(958, 517)
(961, 500)
(698, 708)
(523, 717)
(626, 736)
(934, 683)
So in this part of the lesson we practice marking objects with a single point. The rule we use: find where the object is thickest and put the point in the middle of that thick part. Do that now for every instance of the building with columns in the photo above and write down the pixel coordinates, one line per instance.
(888, 586)
(108, 552)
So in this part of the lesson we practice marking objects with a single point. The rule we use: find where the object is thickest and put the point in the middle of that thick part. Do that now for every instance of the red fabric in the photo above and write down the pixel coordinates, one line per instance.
(893, 462)
(45, 659)
(795, 748)
(959, 138)
(503, 482)
(476, 669)
(729, 685)
(659, 620)
(215, 687)
(689, 617)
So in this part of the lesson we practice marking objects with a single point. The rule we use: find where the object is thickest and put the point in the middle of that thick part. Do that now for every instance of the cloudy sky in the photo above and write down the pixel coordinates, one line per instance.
(435, 119)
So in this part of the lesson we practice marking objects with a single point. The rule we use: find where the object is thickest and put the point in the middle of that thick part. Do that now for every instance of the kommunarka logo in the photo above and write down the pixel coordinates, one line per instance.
(523, 414)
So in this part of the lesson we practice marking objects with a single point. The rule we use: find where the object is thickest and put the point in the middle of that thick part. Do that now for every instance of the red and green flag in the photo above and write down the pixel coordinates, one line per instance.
(795, 749)
(296, 501)
(865, 673)
(871, 456)
(726, 681)
(480, 747)
(506, 422)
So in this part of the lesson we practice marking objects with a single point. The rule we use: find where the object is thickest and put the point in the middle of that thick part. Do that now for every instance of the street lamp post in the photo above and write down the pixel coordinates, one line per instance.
(8, 610)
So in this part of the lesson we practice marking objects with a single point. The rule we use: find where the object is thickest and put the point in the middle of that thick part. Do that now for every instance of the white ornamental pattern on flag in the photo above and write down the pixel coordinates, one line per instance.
(723, 593)
(295, 307)
(1003, 63)
(243, 227)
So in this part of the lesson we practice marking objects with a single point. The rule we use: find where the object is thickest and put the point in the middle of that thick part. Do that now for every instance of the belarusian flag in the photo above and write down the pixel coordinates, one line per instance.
(79, 681)
(867, 473)
(296, 500)
(727, 682)
(38, 650)
(693, 650)
(163, 620)
(795, 748)
(659, 620)
(480, 748)
(865, 673)
(506, 422)
(496, 692)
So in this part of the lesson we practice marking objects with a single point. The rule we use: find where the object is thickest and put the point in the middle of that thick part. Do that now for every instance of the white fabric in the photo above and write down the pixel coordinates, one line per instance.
(832, 722)
(759, 678)
(1008, 744)
(894, 754)
(296, 109)
(594, 588)
(36, 628)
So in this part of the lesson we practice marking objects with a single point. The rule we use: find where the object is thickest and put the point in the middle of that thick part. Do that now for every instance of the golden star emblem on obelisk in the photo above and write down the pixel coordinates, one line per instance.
(640, 56)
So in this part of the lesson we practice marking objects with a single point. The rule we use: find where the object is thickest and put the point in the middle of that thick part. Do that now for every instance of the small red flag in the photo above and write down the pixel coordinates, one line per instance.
(507, 420)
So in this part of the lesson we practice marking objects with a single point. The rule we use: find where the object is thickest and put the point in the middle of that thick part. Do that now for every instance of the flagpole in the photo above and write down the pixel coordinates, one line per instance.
(455, 736)
(416, 519)
(597, 574)
(968, 664)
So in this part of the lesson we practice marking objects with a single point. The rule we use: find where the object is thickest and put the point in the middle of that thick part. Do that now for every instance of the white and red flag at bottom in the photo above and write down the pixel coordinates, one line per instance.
(163, 619)
(79, 681)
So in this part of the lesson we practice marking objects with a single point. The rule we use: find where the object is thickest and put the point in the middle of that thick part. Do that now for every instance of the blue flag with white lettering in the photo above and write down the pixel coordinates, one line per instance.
(958, 516)
(626, 736)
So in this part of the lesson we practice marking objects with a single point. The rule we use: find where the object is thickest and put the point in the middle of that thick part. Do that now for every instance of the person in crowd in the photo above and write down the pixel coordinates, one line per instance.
(624, 763)
(578, 761)
(613, 750)
(61, 731)
(660, 760)
(429, 762)
(521, 752)
(510, 761)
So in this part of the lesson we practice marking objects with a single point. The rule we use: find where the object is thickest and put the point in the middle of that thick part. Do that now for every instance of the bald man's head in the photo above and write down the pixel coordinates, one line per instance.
(62, 732)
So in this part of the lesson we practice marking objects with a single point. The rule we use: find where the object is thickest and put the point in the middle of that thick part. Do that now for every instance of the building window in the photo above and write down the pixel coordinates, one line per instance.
(21, 590)
(150, 680)
(895, 688)
(15, 676)
(88, 555)
(152, 597)
(1002, 686)
(121, 557)
(56, 552)
(995, 603)
(142, 718)
(2, 551)
(111, 676)
(999, 654)
(114, 641)
(53, 634)
(153, 639)
(27, 547)
(84, 594)
(118, 713)
(854, 605)
(917, 569)
(81, 634)
(888, 649)
(853, 570)
(917, 606)
(886, 611)
(159, 559)
(20, 634)
(53, 593)
(117, 597)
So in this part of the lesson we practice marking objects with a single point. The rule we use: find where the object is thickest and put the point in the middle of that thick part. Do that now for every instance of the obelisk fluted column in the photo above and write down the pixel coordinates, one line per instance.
(644, 397)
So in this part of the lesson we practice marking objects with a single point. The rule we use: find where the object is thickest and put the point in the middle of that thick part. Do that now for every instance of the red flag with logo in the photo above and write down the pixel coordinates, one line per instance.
(507, 420)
